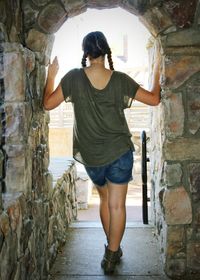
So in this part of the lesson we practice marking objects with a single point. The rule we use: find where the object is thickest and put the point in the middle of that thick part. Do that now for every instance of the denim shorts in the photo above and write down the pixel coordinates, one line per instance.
(118, 171)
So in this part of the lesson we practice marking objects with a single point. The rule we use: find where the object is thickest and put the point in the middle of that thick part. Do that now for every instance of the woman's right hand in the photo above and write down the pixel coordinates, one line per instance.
(53, 68)
(151, 97)
(52, 98)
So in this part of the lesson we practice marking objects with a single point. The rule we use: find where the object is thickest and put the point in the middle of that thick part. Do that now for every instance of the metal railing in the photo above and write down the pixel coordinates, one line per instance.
(145, 198)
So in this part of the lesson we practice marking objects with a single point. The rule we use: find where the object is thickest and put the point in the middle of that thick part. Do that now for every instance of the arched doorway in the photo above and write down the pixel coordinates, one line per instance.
(130, 55)
(27, 36)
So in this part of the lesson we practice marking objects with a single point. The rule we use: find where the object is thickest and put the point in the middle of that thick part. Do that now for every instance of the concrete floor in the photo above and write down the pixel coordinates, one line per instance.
(82, 254)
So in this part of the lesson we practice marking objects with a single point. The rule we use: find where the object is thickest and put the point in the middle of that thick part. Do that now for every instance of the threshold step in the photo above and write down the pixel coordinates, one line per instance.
(92, 224)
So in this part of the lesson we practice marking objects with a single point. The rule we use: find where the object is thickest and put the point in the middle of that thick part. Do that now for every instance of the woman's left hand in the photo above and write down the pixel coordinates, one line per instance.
(53, 68)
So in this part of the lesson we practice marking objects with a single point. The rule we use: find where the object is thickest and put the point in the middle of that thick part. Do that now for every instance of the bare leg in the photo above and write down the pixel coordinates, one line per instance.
(117, 207)
(103, 209)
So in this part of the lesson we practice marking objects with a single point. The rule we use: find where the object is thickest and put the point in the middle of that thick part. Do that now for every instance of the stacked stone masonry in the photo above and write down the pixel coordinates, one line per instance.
(29, 207)
(33, 229)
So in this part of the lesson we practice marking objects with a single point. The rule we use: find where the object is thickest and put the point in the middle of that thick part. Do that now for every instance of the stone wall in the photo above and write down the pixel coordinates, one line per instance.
(175, 154)
(33, 214)
(26, 39)
(32, 230)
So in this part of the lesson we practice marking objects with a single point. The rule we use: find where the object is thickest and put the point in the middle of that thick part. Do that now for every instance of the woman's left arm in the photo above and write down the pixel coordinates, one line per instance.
(151, 97)
(52, 98)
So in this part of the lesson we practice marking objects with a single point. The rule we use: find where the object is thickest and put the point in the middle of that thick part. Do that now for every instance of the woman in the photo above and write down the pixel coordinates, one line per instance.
(101, 138)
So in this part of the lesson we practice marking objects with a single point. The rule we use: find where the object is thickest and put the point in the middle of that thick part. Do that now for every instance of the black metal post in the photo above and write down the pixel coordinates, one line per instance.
(144, 179)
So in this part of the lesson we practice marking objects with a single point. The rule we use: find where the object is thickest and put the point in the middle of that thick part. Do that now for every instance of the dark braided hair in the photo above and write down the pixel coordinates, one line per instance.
(95, 45)
(109, 55)
(83, 62)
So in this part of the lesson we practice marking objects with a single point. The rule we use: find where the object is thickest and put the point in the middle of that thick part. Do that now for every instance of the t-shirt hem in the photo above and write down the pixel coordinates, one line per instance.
(106, 163)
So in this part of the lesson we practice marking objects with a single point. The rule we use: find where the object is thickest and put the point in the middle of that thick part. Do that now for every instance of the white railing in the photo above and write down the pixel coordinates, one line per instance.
(137, 116)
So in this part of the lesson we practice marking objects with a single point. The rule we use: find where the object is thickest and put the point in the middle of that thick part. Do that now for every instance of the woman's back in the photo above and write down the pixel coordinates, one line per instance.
(98, 76)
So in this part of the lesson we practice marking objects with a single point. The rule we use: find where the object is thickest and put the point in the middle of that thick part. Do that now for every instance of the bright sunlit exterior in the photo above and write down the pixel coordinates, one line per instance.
(127, 38)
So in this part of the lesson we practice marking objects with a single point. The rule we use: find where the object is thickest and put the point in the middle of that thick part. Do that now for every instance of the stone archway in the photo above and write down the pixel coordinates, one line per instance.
(26, 36)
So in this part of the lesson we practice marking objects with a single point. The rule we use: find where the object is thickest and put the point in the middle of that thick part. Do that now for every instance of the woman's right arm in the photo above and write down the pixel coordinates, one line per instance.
(151, 97)
(52, 98)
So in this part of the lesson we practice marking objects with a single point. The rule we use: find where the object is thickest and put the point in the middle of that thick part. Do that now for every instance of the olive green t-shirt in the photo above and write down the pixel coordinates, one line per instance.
(100, 131)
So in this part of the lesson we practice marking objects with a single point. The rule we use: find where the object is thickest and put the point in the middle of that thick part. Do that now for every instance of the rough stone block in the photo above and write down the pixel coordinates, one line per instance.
(1, 163)
(40, 214)
(198, 19)
(12, 47)
(172, 174)
(182, 149)
(2, 120)
(156, 20)
(186, 65)
(136, 7)
(194, 177)
(176, 250)
(5, 224)
(51, 17)
(74, 7)
(24, 266)
(33, 257)
(18, 169)
(41, 44)
(30, 14)
(37, 41)
(2, 74)
(194, 180)
(14, 76)
(193, 106)
(65, 186)
(193, 233)
(14, 34)
(40, 75)
(1, 201)
(177, 207)
(30, 60)
(174, 115)
(41, 2)
(1, 239)
(14, 20)
(3, 11)
(51, 226)
(176, 234)
(181, 12)
(175, 267)
(15, 216)
(197, 217)
(16, 127)
(176, 240)
(102, 4)
(8, 256)
(39, 173)
(193, 256)
(182, 38)
(48, 182)
(3, 33)
(169, 30)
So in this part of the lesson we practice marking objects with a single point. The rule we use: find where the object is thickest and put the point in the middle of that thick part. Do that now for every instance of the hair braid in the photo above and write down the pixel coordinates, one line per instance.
(110, 61)
(84, 58)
